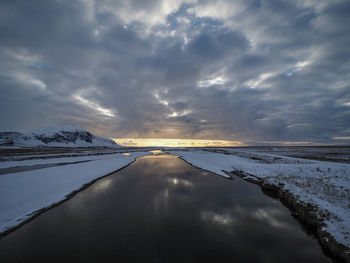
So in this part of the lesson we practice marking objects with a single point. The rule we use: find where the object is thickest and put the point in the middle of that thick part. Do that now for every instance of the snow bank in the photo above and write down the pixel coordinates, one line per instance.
(10, 164)
(214, 162)
(23, 194)
(325, 185)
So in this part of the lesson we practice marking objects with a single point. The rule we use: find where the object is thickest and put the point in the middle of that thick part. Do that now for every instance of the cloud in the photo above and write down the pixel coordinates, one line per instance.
(251, 71)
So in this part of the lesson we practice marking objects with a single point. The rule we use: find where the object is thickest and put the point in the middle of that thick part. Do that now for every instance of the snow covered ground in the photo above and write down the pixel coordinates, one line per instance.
(323, 184)
(23, 194)
(58, 160)
(321, 153)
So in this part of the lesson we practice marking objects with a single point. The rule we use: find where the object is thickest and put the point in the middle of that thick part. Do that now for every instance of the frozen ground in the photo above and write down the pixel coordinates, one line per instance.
(316, 175)
(320, 153)
(57, 160)
(23, 194)
(323, 184)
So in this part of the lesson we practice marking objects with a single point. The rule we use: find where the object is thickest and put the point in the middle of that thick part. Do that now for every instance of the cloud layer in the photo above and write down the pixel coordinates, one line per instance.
(251, 71)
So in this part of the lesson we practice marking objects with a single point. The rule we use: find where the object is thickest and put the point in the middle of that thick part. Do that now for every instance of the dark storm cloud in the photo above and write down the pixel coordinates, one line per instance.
(253, 71)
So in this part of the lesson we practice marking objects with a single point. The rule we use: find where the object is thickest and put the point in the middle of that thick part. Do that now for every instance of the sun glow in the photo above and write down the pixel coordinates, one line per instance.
(148, 142)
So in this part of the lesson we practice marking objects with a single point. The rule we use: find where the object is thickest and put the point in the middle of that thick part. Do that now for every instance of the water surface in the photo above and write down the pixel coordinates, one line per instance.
(161, 209)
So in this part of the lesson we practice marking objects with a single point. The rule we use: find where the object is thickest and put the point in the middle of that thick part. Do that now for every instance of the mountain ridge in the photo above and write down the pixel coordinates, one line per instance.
(61, 136)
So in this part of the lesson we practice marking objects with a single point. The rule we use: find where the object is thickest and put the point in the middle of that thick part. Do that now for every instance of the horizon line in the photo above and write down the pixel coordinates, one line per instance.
(166, 142)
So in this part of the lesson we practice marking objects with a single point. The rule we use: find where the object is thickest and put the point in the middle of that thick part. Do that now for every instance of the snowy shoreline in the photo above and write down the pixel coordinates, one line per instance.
(25, 195)
(317, 192)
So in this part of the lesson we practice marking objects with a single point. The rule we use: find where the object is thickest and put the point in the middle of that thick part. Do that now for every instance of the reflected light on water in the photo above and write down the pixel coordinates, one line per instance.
(102, 185)
(218, 218)
(269, 217)
(175, 142)
(161, 201)
(178, 181)
(157, 152)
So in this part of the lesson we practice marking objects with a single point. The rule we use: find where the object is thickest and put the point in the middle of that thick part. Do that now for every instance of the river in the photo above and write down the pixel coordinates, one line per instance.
(161, 209)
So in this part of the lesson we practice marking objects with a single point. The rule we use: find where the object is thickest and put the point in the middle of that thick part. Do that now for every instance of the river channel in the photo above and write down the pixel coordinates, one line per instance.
(161, 209)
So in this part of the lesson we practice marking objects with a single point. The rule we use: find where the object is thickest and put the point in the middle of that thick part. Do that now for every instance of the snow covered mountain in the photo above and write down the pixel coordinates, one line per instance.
(64, 136)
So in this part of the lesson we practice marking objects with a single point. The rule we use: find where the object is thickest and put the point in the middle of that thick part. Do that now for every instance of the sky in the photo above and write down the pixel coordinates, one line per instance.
(248, 71)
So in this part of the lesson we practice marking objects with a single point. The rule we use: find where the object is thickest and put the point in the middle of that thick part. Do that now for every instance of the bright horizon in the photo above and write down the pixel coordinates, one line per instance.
(162, 142)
